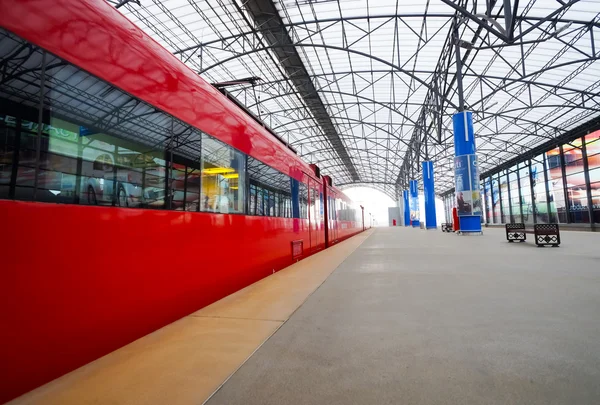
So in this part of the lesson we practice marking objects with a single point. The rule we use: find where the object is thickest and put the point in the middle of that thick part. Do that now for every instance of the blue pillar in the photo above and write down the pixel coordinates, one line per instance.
(295, 198)
(295, 203)
(406, 207)
(430, 220)
(466, 173)
(414, 204)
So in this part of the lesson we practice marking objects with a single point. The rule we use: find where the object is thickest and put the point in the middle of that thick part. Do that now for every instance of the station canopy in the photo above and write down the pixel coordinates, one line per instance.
(366, 89)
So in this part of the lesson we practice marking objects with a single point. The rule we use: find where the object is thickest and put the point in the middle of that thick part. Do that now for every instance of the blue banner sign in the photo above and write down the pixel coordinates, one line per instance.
(467, 192)
(415, 215)
(84, 131)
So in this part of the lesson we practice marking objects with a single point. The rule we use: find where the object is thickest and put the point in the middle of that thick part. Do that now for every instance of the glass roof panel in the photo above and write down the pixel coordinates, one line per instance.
(384, 74)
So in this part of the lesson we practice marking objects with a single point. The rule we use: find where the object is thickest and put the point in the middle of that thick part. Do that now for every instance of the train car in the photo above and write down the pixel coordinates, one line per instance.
(342, 217)
(132, 192)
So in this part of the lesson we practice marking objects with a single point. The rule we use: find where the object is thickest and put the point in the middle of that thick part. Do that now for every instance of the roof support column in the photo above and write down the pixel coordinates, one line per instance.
(459, 81)
(466, 171)
(429, 192)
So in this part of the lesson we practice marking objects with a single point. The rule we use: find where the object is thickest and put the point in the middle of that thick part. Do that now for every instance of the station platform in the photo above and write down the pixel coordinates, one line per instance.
(390, 316)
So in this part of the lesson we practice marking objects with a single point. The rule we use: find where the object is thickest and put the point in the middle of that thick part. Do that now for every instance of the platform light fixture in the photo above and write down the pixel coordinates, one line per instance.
(465, 44)
(218, 170)
(563, 28)
(252, 80)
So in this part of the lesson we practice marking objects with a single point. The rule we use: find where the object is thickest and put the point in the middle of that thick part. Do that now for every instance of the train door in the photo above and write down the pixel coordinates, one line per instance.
(311, 214)
(321, 216)
(336, 217)
(326, 219)
(313, 207)
(332, 216)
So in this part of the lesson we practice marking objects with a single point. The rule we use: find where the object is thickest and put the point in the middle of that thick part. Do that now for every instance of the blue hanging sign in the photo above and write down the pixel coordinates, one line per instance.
(84, 131)
(415, 215)
(461, 173)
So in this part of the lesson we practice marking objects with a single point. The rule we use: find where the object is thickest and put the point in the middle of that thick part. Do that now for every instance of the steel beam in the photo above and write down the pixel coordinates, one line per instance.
(266, 16)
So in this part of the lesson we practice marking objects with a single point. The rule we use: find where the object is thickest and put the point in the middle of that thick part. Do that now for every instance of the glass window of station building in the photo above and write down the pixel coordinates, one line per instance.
(561, 185)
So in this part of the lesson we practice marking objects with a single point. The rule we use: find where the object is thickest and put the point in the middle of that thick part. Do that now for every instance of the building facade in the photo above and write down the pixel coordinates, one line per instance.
(560, 185)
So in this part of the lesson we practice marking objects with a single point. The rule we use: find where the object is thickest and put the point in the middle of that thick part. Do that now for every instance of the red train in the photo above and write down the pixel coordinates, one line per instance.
(132, 192)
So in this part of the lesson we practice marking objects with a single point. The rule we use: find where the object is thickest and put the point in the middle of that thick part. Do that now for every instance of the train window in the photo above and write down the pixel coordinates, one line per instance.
(272, 188)
(314, 199)
(185, 186)
(223, 177)
(346, 212)
(98, 145)
(276, 206)
(184, 171)
(311, 202)
(7, 155)
(287, 207)
(94, 145)
(260, 201)
(78, 165)
(266, 203)
(269, 200)
(252, 204)
(333, 210)
(303, 200)
(321, 205)
(19, 96)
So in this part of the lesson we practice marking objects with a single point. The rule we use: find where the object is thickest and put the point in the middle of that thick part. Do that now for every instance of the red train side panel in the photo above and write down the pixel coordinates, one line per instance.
(80, 281)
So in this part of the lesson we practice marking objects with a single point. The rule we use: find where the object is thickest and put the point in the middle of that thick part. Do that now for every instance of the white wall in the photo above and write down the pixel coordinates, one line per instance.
(439, 210)
(378, 203)
(374, 201)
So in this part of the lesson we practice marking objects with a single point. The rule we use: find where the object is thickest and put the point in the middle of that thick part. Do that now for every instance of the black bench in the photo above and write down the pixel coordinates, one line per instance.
(546, 235)
(446, 227)
(515, 232)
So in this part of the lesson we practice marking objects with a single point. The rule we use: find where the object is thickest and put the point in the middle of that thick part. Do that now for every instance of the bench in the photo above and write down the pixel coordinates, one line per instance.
(515, 232)
(546, 235)
(543, 234)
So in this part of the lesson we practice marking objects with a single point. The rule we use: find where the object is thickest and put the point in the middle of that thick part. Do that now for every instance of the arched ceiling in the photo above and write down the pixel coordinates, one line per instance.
(366, 89)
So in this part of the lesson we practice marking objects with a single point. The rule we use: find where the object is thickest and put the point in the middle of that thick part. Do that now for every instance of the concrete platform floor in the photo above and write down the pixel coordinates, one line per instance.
(425, 317)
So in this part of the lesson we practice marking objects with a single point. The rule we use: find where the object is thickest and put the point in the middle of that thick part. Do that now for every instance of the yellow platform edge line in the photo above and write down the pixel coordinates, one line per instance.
(276, 297)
